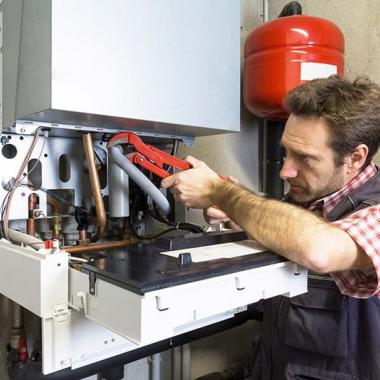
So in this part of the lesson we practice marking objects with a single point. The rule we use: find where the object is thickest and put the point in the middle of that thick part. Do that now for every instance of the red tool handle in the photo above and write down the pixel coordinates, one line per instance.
(148, 156)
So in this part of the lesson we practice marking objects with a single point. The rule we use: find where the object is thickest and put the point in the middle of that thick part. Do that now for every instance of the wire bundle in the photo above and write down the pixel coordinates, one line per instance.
(6, 205)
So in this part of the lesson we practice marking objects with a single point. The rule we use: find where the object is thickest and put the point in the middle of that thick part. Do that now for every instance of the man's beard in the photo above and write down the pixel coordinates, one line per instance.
(306, 195)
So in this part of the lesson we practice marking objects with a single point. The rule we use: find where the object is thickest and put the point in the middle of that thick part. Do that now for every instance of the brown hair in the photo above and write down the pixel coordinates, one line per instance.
(350, 109)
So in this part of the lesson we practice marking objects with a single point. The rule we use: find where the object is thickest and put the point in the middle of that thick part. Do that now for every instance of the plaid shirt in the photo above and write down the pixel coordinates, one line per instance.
(364, 228)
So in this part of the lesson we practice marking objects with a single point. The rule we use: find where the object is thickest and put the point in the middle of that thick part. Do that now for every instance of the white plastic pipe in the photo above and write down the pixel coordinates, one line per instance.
(140, 178)
(118, 190)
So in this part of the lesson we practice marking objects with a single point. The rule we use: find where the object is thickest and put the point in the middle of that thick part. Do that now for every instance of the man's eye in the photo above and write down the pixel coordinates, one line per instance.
(302, 157)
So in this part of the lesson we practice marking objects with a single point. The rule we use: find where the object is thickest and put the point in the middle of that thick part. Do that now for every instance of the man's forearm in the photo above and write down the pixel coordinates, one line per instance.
(285, 229)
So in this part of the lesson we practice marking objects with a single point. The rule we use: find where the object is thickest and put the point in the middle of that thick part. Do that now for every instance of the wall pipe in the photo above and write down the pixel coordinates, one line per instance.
(186, 361)
(176, 363)
(95, 186)
(155, 361)
(275, 157)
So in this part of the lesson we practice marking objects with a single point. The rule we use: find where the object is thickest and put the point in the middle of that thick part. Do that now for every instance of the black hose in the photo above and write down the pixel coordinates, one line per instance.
(291, 9)
(275, 159)
(179, 225)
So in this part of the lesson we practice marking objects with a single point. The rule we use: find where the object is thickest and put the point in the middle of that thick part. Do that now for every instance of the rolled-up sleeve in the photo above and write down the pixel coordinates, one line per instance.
(364, 228)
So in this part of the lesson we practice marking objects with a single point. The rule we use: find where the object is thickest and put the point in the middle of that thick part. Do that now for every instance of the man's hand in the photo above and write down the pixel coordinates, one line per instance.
(214, 215)
(194, 187)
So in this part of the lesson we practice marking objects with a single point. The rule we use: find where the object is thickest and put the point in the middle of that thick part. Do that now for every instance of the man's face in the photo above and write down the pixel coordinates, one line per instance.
(309, 166)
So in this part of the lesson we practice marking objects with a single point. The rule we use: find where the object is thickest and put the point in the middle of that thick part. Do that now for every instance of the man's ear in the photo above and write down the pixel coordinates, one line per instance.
(355, 160)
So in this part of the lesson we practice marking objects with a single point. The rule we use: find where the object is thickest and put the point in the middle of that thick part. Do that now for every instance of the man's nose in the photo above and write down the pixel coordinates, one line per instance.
(288, 170)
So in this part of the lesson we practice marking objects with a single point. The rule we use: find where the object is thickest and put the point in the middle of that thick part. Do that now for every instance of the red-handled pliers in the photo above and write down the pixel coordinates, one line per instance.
(148, 156)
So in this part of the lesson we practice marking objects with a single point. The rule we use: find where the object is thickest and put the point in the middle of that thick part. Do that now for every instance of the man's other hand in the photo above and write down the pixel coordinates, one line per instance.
(214, 215)
(194, 187)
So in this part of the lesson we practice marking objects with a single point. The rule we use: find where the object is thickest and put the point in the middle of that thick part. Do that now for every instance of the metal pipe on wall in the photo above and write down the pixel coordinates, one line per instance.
(265, 10)
(95, 186)
(17, 325)
(176, 363)
(186, 361)
(181, 362)
(274, 161)
(155, 361)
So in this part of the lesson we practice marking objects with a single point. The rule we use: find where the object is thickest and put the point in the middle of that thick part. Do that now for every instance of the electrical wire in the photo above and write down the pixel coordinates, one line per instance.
(161, 219)
(178, 225)
(6, 198)
(191, 227)
(20, 176)
(37, 161)
(152, 237)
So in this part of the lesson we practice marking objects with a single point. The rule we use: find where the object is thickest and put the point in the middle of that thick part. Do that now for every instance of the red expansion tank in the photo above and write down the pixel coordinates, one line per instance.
(284, 53)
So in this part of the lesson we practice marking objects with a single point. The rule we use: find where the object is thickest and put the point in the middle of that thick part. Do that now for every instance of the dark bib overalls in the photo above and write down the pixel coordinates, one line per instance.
(322, 334)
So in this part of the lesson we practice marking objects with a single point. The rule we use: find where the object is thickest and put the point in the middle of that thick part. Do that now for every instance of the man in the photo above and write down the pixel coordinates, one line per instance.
(330, 223)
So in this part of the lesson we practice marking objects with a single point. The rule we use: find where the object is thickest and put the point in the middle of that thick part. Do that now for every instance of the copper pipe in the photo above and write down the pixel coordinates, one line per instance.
(54, 205)
(31, 223)
(97, 246)
(18, 317)
(95, 186)
(83, 235)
